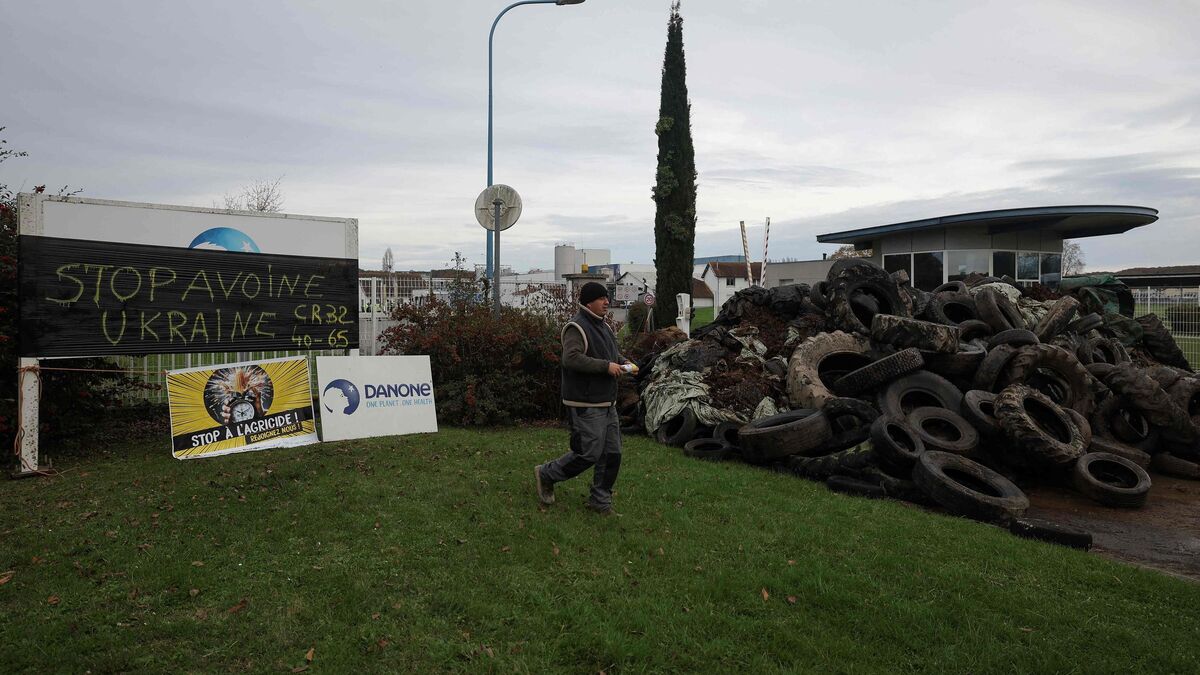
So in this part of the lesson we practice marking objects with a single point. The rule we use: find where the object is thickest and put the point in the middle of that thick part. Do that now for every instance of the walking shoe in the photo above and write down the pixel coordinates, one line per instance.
(545, 488)
(602, 510)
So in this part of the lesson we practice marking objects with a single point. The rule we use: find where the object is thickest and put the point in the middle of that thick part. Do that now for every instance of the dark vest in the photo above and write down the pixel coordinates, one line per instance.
(585, 388)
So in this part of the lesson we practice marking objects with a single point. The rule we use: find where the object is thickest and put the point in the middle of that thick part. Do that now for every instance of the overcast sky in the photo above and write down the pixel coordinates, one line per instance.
(821, 115)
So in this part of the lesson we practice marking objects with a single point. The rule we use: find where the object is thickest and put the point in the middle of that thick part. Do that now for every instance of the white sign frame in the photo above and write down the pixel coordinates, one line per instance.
(396, 385)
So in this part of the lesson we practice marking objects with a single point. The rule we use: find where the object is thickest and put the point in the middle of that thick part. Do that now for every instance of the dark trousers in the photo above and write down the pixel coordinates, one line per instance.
(595, 441)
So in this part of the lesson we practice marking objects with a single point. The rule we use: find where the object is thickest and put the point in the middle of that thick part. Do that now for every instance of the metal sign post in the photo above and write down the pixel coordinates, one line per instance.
(497, 208)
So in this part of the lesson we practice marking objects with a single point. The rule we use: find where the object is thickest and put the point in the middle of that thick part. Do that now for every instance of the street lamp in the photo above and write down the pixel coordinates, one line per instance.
(491, 35)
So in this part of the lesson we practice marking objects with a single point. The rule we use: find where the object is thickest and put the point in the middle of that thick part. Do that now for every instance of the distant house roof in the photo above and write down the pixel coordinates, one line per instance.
(701, 290)
(1072, 222)
(723, 270)
(379, 274)
(452, 274)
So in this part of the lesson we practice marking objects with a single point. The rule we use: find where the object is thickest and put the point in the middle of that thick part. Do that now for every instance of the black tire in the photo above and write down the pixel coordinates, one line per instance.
(1170, 465)
(995, 310)
(960, 366)
(728, 432)
(1016, 337)
(1100, 370)
(1111, 480)
(1081, 423)
(853, 486)
(850, 419)
(1055, 372)
(822, 360)
(863, 280)
(1038, 427)
(819, 294)
(992, 366)
(967, 488)
(943, 431)
(709, 449)
(979, 410)
(880, 372)
(952, 309)
(974, 330)
(1158, 341)
(1114, 447)
(1140, 392)
(951, 287)
(679, 429)
(1085, 323)
(1108, 350)
(785, 434)
(1056, 320)
(1054, 533)
(904, 332)
(916, 391)
(896, 444)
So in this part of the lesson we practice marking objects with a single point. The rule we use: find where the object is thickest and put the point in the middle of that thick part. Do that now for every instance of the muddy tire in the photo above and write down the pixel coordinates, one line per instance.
(1085, 323)
(785, 434)
(1114, 447)
(1061, 313)
(848, 462)
(1051, 532)
(1111, 480)
(679, 429)
(708, 449)
(952, 309)
(1081, 423)
(876, 292)
(1108, 350)
(850, 419)
(919, 390)
(728, 432)
(820, 361)
(974, 330)
(1055, 372)
(1038, 427)
(959, 366)
(995, 309)
(819, 294)
(1158, 341)
(1140, 392)
(896, 444)
(967, 488)
(904, 332)
(944, 431)
(880, 372)
(951, 287)
(1100, 371)
(1170, 465)
(1016, 337)
(992, 366)
(979, 410)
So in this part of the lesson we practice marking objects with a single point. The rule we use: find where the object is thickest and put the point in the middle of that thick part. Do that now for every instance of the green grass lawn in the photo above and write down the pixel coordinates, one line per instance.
(704, 316)
(427, 553)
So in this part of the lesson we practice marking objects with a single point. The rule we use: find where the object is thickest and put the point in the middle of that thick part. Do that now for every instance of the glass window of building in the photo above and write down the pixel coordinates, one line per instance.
(966, 263)
(1028, 267)
(1051, 269)
(896, 262)
(1004, 262)
(927, 270)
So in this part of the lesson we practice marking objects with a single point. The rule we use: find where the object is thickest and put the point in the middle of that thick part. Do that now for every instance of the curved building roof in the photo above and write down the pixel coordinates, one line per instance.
(1072, 222)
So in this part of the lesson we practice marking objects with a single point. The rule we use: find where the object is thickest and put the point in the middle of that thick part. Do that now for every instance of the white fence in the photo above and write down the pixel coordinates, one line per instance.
(1179, 309)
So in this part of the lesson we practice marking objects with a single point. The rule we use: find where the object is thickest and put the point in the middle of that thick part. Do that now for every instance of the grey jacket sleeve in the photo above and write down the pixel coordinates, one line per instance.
(575, 358)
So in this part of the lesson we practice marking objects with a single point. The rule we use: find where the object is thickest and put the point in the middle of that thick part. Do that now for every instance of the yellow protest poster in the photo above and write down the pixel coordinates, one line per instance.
(239, 407)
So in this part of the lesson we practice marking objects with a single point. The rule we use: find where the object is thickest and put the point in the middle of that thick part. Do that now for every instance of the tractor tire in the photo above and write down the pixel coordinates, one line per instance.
(822, 360)
(903, 332)
(1038, 427)
(967, 488)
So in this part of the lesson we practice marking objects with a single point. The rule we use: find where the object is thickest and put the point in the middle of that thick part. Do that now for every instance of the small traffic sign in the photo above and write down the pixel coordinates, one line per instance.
(649, 299)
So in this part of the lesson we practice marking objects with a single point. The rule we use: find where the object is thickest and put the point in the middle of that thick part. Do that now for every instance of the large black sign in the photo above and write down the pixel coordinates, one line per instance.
(90, 298)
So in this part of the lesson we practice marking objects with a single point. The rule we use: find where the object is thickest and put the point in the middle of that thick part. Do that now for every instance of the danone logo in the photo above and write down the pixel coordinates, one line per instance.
(392, 395)
(340, 396)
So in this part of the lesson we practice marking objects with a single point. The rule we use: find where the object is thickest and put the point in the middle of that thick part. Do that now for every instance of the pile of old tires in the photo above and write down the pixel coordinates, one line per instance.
(955, 398)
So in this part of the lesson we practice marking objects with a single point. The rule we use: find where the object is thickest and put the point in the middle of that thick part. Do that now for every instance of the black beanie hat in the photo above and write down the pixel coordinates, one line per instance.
(592, 291)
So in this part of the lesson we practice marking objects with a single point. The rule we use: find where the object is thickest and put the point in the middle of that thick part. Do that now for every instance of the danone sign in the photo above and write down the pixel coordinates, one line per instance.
(375, 396)
(100, 278)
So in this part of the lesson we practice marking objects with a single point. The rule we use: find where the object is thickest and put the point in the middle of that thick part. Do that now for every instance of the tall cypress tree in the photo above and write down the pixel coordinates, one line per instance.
(675, 184)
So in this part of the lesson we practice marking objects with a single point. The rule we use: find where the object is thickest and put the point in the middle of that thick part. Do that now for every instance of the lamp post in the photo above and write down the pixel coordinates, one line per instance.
(491, 35)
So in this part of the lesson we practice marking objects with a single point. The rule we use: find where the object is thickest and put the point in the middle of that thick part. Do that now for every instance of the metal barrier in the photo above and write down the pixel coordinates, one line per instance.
(1179, 310)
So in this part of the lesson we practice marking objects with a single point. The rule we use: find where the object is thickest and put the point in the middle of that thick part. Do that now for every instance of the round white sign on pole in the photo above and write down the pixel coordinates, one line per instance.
(649, 299)
(510, 207)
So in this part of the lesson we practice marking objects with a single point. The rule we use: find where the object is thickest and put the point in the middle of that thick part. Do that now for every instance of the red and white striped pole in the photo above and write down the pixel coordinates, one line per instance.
(746, 251)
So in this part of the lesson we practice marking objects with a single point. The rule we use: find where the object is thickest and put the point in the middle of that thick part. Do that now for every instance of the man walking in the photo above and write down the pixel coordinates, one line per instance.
(590, 367)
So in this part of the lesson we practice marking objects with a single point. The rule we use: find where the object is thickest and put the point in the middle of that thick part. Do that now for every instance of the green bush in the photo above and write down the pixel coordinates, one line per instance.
(485, 371)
